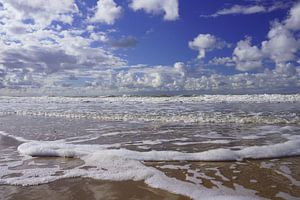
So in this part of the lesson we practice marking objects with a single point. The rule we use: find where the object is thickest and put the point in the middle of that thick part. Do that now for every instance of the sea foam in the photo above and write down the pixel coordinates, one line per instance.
(49, 149)
(123, 164)
(104, 163)
(199, 109)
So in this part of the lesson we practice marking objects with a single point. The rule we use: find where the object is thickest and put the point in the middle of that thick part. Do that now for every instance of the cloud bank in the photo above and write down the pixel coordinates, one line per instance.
(176, 79)
(33, 45)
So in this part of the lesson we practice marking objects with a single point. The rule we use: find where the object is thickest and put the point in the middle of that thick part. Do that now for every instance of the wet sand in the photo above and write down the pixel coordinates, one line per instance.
(271, 179)
(80, 189)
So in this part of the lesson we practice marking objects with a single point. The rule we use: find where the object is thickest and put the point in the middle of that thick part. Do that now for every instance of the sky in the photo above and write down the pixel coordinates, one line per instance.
(116, 47)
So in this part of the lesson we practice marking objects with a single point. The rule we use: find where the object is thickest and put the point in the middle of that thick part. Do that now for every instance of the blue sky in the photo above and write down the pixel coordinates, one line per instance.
(99, 47)
(167, 41)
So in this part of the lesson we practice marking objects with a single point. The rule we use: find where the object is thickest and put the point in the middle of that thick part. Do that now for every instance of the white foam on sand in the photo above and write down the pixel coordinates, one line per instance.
(288, 148)
(123, 164)
(109, 162)
(203, 142)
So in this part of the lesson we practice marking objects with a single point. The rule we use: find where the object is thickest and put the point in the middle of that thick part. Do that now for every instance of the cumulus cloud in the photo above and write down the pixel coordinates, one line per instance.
(143, 78)
(146, 79)
(281, 47)
(206, 42)
(98, 36)
(164, 79)
(107, 11)
(42, 13)
(293, 21)
(168, 7)
(283, 44)
(33, 48)
(247, 57)
(52, 51)
(41, 57)
(227, 61)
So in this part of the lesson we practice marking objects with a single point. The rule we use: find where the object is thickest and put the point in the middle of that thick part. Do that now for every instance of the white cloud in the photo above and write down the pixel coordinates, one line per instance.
(51, 51)
(43, 59)
(281, 45)
(259, 7)
(164, 79)
(227, 61)
(180, 67)
(107, 11)
(31, 52)
(293, 21)
(238, 9)
(98, 36)
(143, 79)
(42, 13)
(247, 57)
(286, 69)
(168, 7)
(206, 42)
(283, 42)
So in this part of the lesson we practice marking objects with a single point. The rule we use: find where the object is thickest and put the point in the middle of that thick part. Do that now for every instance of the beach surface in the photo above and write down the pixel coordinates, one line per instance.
(205, 147)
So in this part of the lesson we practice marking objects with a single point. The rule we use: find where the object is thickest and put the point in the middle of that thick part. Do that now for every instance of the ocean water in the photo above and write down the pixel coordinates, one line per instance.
(203, 147)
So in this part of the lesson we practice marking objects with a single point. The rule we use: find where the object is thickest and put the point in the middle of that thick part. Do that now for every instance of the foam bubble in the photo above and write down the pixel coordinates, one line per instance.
(115, 165)
(103, 163)
(288, 148)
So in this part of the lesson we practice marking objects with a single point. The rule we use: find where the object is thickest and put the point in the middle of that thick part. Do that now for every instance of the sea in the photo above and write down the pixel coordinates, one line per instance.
(191, 147)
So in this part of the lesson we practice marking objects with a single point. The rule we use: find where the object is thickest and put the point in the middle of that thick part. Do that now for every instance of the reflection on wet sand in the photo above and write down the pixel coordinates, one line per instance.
(271, 179)
(79, 189)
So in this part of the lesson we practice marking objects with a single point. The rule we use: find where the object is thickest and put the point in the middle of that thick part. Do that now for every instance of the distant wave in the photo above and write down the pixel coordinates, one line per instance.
(257, 98)
(208, 117)
(200, 109)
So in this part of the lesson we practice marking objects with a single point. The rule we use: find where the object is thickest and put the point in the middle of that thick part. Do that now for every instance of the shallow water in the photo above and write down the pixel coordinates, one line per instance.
(166, 143)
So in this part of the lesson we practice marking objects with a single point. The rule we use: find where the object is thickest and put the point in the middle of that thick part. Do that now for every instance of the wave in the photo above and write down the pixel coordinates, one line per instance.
(196, 118)
(259, 98)
(256, 98)
(257, 109)
(50, 149)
